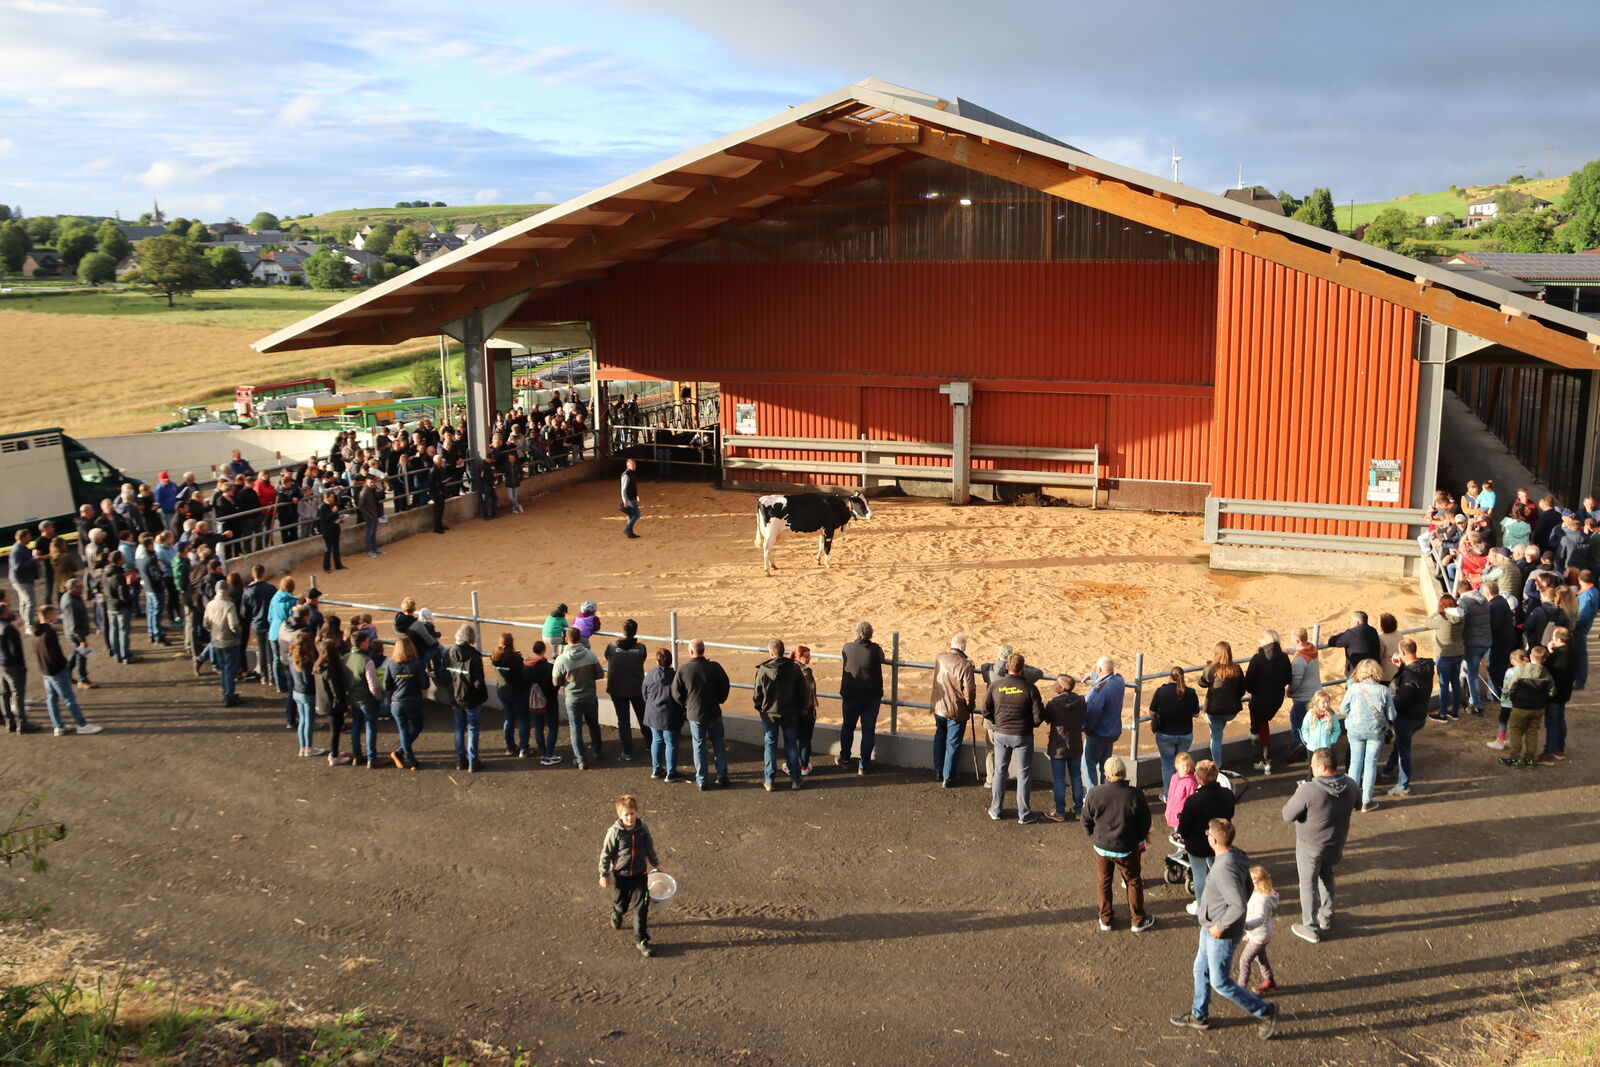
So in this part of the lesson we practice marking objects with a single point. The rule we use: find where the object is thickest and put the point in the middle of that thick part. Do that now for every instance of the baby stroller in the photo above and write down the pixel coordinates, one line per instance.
(1177, 867)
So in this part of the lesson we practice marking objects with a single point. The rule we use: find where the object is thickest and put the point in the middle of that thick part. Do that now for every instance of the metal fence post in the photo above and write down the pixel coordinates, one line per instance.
(313, 579)
(477, 620)
(1316, 635)
(1138, 702)
(675, 637)
(894, 682)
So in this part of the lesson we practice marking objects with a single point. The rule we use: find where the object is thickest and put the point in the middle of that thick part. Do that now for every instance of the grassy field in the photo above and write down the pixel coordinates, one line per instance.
(1424, 204)
(490, 215)
(266, 308)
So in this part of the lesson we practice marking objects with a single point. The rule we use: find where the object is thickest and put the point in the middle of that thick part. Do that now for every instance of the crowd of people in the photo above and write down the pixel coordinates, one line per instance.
(1513, 633)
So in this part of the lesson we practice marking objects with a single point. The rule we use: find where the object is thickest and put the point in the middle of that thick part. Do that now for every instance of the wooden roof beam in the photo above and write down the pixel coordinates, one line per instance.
(759, 152)
(1119, 198)
(686, 180)
(627, 205)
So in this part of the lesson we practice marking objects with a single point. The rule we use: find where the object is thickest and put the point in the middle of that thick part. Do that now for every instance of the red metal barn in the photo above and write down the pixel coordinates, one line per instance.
(893, 287)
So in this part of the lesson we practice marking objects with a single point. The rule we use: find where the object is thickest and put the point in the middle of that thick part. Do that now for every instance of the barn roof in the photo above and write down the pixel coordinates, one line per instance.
(846, 136)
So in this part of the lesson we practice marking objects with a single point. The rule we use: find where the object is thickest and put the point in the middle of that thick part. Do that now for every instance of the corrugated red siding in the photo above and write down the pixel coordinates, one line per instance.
(1313, 381)
(1120, 322)
(825, 411)
(1162, 439)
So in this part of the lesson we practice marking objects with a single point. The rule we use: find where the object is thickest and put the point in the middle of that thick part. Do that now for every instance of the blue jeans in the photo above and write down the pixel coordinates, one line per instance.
(1216, 725)
(1213, 969)
(1297, 715)
(804, 731)
(1096, 750)
(632, 511)
(709, 735)
(771, 731)
(1014, 751)
(121, 624)
(581, 713)
(1450, 685)
(1201, 867)
(863, 711)
(467, 720)
(947, 734)
(1555, 728)
(1364, 764)
(305, 706)
(266, 658)
(1059, 770)
(58, 690)
(546, 728)
(1580, 672)
(518, 722)
(363, 722)
(152, 614)
(1169, 745)
(227, 661)
(1474, 686)
(664, 751)
(1400, 754)
(371, 534)
(621, 706)
(408, 721)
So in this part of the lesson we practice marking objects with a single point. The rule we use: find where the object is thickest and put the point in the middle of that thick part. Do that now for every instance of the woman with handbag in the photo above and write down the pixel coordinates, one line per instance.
(1368, 713)
(542, 704)
(513, 691)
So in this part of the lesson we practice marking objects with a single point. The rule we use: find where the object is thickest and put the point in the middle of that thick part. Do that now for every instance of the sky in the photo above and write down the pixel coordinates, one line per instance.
(221, 110)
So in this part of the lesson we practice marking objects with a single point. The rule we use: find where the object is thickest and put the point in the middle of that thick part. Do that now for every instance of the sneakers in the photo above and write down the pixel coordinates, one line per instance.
(1371, 805)
(1400, 791)
(90, 728)
(1265, 987)
(766, 783)
(63, 731)
(1559, 755)
(1476, 711)
(723, 783)
(338, 761)
(1507, 761)
(1305, 933)
(783, 768)
(646, 951)
(1193, 907)
(616, 921)
(1189, 1022)
(1498, 744)
(1266, 767)
(1139, 928)
(461, 763)
(1545, 760)
(1030, 818)
(805, 770)
(1105, 927)
(1267, 1025)
(1438, 717)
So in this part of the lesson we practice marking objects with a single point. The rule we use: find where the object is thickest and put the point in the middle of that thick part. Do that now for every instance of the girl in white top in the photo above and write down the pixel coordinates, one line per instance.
(1258, 913)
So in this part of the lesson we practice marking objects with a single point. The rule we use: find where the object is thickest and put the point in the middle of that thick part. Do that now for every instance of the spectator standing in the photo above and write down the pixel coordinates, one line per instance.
(954, 693)
(366, 695)
(1412, 687)
(75, 623)
(121, 586)
(468, 694)
(1320, 811)
(23, 570)
(1014, 707)
(630, 496)
(333, 696)
(625, 663)
(13, 673)
(1305, 682)
(575, 673)
(542, 704)
(588, 621)
(1561, 663)
(1102, 717)
(1368, 714)
(806, 729)
(861, 695)
(513, 692)
(702, 687)
(370, 506)
(1588, 607)
(1211, 799)
(56, 670)
(1359, 641)
(1173, 709)
(1503, 634)
(663, 715)
(303, 689)
(328, 520)
(1267, 680)
(255, 608)
(440, 482)
(1064, 748)
(1222, 908)
(779, 698)
(1223, 682)
(227, 641)
(1448, 623)
(1117, 820)
(1532, 689)
(1477, 634)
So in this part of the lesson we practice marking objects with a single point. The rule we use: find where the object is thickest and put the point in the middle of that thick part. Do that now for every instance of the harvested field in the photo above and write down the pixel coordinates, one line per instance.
(1063, 585)
(99, 374)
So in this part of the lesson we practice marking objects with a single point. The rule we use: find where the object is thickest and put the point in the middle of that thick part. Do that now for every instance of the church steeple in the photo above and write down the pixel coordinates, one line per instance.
(156, 217)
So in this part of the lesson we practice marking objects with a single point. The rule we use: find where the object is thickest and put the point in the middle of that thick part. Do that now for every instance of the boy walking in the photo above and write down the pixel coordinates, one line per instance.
(626, 860)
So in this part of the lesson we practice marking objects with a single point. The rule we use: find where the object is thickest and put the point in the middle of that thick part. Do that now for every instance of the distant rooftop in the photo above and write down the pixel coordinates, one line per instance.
(1536, 266)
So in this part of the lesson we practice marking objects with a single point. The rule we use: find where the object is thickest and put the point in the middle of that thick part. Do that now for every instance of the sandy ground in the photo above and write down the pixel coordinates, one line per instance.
(100, 374)
(860, 921)
(1063, 585)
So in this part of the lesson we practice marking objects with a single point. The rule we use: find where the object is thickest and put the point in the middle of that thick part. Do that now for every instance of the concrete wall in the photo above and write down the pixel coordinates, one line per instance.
(1383, 567)
(142, 455)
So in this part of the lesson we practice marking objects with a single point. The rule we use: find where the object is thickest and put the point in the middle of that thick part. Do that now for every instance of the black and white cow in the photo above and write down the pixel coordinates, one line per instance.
(820, 513)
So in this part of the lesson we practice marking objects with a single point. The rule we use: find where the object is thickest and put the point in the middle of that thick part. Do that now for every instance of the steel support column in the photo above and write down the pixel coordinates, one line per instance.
(1590, 428)
(1433, 345)
(960, 394)
(473, 330)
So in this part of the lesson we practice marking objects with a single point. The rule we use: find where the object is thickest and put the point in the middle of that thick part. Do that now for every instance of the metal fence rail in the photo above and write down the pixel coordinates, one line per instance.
(876, 460)
(1219, 508)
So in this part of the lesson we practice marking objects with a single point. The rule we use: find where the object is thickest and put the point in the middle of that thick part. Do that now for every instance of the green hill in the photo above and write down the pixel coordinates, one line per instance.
(490, 216)
(1452, 203)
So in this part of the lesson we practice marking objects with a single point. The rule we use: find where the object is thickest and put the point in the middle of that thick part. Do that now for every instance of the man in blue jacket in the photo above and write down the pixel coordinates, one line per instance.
(1102, 719)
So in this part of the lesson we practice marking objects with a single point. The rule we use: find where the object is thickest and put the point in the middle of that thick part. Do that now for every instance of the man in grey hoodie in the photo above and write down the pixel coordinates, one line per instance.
(1320, 810)
(1221, 913)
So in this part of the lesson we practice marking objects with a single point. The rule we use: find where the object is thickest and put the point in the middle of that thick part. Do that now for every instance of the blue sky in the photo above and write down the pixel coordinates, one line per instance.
(222, 109)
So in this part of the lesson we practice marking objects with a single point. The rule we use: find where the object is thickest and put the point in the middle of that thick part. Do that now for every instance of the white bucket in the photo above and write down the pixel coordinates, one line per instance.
(662, 888)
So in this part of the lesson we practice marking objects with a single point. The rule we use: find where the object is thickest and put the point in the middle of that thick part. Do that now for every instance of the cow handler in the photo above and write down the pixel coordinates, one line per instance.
(630, 496)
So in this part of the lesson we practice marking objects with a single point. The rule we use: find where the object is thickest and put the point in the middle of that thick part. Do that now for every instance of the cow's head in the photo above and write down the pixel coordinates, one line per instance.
(858, 506)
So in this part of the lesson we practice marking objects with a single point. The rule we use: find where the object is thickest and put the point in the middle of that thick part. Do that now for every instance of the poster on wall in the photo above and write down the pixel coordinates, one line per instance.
(744, 418)
(1383, 481)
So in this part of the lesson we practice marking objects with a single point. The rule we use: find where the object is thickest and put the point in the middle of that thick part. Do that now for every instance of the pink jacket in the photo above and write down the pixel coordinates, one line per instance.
(1178, 791)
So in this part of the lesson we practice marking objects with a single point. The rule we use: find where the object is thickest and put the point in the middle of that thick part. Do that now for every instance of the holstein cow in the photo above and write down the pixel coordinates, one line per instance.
(818, 513)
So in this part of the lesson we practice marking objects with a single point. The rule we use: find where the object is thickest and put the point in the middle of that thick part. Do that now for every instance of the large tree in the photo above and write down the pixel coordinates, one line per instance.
(97, 267)
(264, 220)
(1526, 231)
(113, 242)
(1317, 210)
(379, 240)
(75, 243)
(327, 269)
(199, 234)
(1391, 229)
(170, 266)
(14, 245)
(1583, 202)
(404, 243)
(227, 265)
(178, 227)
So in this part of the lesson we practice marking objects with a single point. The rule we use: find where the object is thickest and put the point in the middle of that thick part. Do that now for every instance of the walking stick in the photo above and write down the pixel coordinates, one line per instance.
(977, 771)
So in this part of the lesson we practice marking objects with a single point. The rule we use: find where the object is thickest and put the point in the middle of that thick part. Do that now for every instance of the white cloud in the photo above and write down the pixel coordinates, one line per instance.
(103, 163)
(486, 196)
(7, 146)
(165, 173)
(301, 109)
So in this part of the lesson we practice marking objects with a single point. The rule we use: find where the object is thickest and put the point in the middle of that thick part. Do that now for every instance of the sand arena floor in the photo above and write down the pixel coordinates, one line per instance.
(1063, 585)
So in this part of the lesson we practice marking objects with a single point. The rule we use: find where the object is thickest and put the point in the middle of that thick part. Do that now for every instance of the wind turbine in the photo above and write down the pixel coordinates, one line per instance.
(1176, 159)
